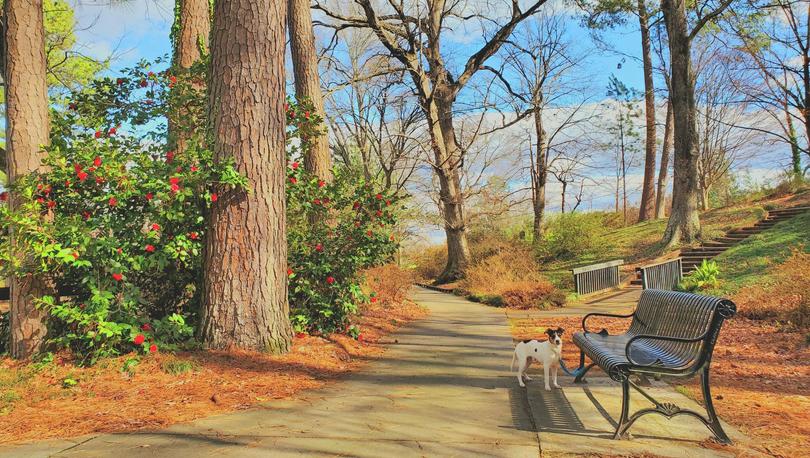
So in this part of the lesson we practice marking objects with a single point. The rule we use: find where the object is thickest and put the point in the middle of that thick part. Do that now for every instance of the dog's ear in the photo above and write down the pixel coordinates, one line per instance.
(560, 331)
(549, 331)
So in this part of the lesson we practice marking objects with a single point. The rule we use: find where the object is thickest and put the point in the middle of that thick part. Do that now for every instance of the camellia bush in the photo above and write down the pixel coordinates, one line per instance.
(334, 231)
(117, 222)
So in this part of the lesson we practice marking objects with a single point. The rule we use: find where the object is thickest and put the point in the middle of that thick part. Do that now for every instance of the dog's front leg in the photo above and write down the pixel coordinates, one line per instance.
(526, 371)
(554, 376)
(545, 374)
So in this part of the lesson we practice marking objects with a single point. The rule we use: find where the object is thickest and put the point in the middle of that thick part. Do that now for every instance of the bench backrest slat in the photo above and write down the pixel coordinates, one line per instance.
(677, 314)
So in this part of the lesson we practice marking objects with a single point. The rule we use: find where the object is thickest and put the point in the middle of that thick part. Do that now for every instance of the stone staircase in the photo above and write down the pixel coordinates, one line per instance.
(694, 256)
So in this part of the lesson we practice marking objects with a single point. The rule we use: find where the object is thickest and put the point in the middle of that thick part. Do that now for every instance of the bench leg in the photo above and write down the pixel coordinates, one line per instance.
(713, 422)
(623, 424)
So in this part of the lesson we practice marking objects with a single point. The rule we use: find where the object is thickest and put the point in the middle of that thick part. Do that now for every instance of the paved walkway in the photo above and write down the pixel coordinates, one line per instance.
(443, 390)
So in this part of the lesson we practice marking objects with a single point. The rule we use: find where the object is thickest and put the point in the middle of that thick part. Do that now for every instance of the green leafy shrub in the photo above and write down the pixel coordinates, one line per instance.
(335, 230)
(572, 235)
(704, 277)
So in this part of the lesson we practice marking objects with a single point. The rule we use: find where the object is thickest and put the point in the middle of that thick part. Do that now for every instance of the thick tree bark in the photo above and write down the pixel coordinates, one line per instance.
(245, 278)
(684, 224)
(193, 31)
(647, 206)
(307, 82)
(539, 176)
(666, 148)
(27, 129)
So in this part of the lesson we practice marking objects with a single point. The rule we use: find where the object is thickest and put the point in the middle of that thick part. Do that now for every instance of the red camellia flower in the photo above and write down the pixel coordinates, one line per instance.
(330, 280)
(193, 168)
(321, 183)
(194, 235)
(82, 175)
(75, 255)
(113, 201)
(98, 134)
(316, 201)
(152, 348)
(41, 200)
(369, 233)
(387, 202)
(146, 327)
(175, 188)
(293, 180)
(99, 180)
(356, 205)
(150, 248)
(378, 197)
(373, 300)
(379, 212)
(214, 197)
(117, 277)
(138, 340)
(155, 227)
(3, 196)
(149, 196)
(97, 161)
(77, 168)
(306, 114)
(170, 156)
(289, 272)
(112, 131)
(174, 180)
(150, 74)
(86, 215)
(319, 248)
(91, 169)
(72, 106)
(51, 204)
(172, 81)
(294, 165)
(119, 81)
(144, 83)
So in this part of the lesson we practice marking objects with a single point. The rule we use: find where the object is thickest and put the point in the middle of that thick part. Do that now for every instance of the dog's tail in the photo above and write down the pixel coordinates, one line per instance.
(514, 357)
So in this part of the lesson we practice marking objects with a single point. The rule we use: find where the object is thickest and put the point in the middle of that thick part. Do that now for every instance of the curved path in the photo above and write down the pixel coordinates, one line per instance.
(443, 388)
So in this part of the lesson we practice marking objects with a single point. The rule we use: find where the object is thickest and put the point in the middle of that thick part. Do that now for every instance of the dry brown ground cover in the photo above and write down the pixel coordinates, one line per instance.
(167, 389)
(760, 378)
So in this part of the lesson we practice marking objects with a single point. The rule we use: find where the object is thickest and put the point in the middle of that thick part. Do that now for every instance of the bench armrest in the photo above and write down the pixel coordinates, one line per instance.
(654, 337)
(608, 315)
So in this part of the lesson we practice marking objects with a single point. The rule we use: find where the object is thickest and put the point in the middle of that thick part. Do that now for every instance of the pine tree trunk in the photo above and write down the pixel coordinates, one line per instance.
(448, 161)
(27, 129)
(684, 224)
(193, 30)
(307, 81)
(194, 27)
(539, 177)
(245, 278)
(647, 206)
(666, 148)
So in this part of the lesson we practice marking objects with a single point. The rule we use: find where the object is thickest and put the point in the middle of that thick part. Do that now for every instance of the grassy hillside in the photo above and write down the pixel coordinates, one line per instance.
(756, 260)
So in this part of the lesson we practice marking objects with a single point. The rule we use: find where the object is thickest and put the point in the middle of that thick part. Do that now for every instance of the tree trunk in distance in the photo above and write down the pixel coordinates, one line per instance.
(447, 169)
(684, 222)
(307, 82)
(27, 130)
(245, 262)
(661, 193)
(647, 206)
(193, 30)
(192, 34)
(540, 177)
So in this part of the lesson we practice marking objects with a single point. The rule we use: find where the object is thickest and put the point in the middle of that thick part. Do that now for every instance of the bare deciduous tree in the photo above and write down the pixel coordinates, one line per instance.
(413, 36)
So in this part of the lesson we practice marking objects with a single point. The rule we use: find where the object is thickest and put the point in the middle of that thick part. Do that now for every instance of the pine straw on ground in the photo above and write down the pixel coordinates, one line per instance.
(760, 379)
(106, 399)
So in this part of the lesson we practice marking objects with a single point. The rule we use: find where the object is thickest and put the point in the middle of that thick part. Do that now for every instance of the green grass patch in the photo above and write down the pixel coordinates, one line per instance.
(749, 262)
(177, 366)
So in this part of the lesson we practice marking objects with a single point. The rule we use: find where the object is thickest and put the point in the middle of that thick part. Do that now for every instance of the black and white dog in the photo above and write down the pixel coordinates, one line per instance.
(547, 352)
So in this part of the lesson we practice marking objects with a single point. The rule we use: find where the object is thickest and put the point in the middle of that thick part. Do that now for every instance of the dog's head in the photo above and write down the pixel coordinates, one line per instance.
(555, 335)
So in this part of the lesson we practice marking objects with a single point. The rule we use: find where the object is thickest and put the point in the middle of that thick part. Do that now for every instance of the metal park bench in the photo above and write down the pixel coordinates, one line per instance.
(671, 334)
